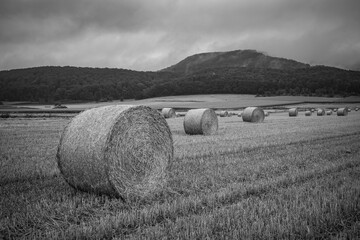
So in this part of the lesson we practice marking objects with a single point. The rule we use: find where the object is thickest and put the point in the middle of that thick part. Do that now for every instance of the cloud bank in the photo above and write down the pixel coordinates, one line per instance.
(151, 35)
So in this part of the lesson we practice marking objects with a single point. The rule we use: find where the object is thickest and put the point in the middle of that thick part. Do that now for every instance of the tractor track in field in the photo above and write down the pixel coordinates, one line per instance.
(129, 222)
(270, 146)
(195, 206)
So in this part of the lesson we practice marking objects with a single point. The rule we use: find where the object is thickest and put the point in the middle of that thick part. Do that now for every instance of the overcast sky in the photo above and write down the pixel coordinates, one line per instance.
(154, 34)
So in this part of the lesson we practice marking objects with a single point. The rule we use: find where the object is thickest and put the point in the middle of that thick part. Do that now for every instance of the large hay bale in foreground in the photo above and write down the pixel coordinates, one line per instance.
(293, 112)
(180, 114)
(253, 114)
(117, 150)
(321, 112)
(168, 112)
(224, 114)
(201, 121)
(308, 113)
(342, 112)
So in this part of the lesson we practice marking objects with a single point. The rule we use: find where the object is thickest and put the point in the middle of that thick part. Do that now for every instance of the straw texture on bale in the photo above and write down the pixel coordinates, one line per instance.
(342, 112)
(117, 150)
(201, 121)
(224, 114)
(293, 112)
(253, 114)
(181, 114)
(329, 112)
(308, 113)
(321, 112)
(168, 112)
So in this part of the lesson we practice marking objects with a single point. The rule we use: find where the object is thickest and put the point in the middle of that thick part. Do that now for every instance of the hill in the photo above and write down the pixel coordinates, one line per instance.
(235, 72)
(238, 58)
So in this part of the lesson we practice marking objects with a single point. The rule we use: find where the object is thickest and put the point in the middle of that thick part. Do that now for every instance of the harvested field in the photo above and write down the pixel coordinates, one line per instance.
(241, 182)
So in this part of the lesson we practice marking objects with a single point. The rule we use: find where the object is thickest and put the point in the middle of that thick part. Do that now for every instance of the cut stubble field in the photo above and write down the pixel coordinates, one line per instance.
(284, 178)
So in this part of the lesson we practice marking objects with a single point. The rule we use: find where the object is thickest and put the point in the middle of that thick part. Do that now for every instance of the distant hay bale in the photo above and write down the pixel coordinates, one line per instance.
(117, 150)
(335, 109)
(168, 112)
(267, 114)
(342, 112)
(253, 114)
(356, 109)
(308, 113)
(329, 112)
(293, 112)
(224, 113)
(201, 121)
(239, 115)
(321, 112)
(312, 110)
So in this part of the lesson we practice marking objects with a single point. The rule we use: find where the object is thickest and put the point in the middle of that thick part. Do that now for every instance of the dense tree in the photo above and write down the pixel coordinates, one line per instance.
(49, 84)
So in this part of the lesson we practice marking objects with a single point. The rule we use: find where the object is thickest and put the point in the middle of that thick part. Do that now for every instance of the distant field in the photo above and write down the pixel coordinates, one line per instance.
(283, 178)
(216, 101)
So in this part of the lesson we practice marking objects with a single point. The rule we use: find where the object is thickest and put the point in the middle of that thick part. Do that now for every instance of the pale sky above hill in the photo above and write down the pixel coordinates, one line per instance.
(154, 34)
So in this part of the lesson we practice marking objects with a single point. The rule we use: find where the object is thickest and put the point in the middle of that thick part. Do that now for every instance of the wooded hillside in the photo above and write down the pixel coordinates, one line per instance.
(238, 72)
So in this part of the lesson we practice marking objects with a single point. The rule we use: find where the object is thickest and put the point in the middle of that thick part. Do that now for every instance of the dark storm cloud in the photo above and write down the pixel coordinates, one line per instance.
(29, 19)
(149, 35)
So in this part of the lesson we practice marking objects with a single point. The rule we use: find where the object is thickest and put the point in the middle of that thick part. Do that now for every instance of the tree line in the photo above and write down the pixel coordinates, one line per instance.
(61, 84)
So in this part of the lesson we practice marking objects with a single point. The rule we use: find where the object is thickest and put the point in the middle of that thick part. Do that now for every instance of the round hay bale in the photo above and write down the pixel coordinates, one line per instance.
(253, 114)
(329, 112)
(293, 112)
(356, 109)
(308, 113)
(201, 121)
(335, 109)
(224, 113)
(312, 110)
(321, 112)
(168, 112)
(239, 114)
(267, 114)
(342, 112)
(117, 150)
